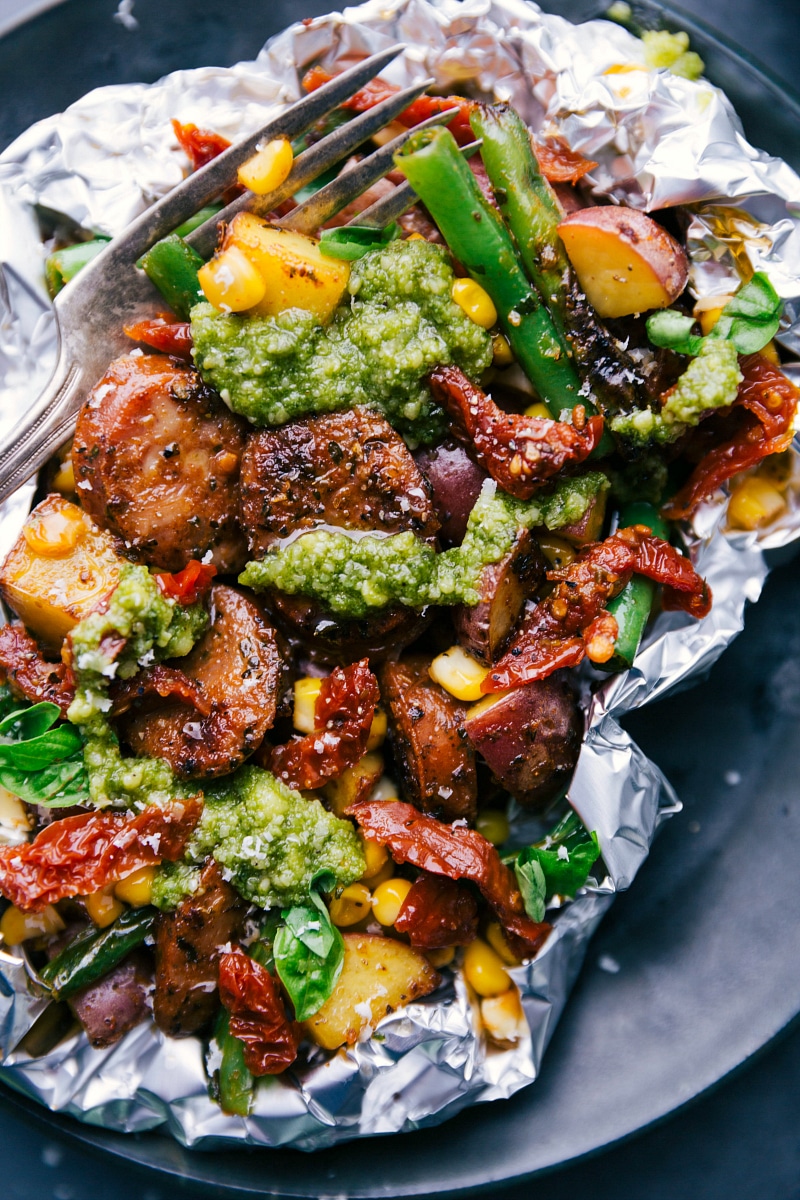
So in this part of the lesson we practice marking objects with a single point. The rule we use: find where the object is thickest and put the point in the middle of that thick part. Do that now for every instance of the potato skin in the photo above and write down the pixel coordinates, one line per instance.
(156, 459)
(435, 762)
(485, 628)
(456, 482)
(530, 739)
(380, 972)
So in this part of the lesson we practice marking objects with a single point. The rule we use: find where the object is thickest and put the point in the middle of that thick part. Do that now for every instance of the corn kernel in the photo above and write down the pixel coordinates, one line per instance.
(441, 958)
(230, 281)
(707, 311)
(376, 857)
(64, 479)
(502, 354)
(305, 701)
(268, 168)
(475, 302)
(388, 898)
(136, 889)
(354, 783)
(458, 673)
(389, 133)
(17, 926)
(557, 551)
(497, 939)
(493, 824)
(754, 502)
(103, 907)
(503, 1018)
(770, 352)
(54, 533)
(486, 702)
(484, 970)
(415, 237)
(385, 789)
(352, 906)
(377, 730)
(539, 410)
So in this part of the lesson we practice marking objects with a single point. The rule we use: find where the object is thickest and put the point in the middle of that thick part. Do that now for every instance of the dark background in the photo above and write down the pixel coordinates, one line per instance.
(740, 1142)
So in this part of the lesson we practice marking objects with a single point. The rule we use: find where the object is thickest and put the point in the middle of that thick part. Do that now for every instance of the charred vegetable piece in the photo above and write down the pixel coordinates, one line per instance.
(236, 667)
(475, 233)
(530, 739)
(631, 608)
(188, 951)
(233, 1083)
(378, 976)
(29, 673)
(770, 403)
(454, 851)
(156, 458)
(343, 714)
(505, 586)
(257, 1016)
(521, 453)
(533, 213)
(435, 763)
(172, 265)
(573, 622)
(79, 855)
(63, 265)
(438, 912)
(95, 952)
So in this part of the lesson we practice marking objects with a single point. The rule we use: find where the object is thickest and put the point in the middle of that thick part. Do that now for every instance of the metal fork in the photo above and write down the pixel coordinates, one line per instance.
(111, 290)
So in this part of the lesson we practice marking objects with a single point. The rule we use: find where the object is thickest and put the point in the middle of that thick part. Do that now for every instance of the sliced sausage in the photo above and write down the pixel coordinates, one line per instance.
(188, 950)
(435, 762)
(238, 667)
(29, 674)
(485, 628)
(347, 469)
(530, 739)
(156, 459)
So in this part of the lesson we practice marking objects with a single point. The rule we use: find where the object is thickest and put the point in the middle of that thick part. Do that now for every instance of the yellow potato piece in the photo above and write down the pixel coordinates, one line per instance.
(59, 568)
(625, 261)
(354, 784)
(379, 975)
(296, 274)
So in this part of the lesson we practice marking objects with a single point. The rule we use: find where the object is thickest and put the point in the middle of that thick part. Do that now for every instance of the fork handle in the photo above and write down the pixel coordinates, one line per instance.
(43, 428)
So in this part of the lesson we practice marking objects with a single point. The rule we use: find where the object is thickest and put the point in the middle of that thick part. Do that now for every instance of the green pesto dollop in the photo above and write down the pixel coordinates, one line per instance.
(153, 628)
(671, 50)
(355, 576)
(710, 381)
(173, 881)
(269, 841)
(398, 323)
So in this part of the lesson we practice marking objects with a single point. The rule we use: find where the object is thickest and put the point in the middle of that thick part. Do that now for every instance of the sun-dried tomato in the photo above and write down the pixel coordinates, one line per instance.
(164, 332)
(199, 145)
(438, 912)
(258, 1018)
(170, 683)
(520, 453)
(454, 851)
(419, 110)
(343, 715)
(559, 164)
(771, 403)
(560, 630)
(29, 673)
(79, 855)
(188, 585)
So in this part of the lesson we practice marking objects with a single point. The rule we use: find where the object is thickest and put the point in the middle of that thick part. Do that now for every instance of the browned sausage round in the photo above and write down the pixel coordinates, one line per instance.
(238, 666)
(347, 469)
(435, 762)
(156, 459)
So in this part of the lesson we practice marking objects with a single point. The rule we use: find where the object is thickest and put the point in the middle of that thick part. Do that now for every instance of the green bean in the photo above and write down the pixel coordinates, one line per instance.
(199, 218)
(65, 264)
(475, 233)
(235, 1084)
(95, 952)
(632, 606)
(172, 266)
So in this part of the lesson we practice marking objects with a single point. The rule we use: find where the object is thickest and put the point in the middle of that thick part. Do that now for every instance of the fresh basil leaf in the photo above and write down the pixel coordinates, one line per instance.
(59, 785)
(530, 878)
(309, 950)
(354, 241)
(753, 316)
(26, 723)
(38, 752)
(8, 702)
(673, 331)
(564, 867)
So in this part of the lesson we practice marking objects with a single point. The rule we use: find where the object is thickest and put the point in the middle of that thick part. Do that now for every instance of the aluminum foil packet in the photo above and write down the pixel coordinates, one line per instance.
(659, 141)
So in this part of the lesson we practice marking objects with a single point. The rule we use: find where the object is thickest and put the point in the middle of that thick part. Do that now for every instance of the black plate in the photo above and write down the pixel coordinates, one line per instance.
(707, 941)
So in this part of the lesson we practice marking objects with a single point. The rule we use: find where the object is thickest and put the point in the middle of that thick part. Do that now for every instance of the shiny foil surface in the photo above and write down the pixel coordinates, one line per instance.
(660, 141)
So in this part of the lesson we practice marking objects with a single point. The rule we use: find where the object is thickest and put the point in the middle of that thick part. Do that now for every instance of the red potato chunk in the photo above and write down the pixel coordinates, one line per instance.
(485, 628)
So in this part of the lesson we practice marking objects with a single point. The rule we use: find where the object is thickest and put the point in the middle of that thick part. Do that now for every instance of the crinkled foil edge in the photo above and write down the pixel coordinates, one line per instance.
(659, 141)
